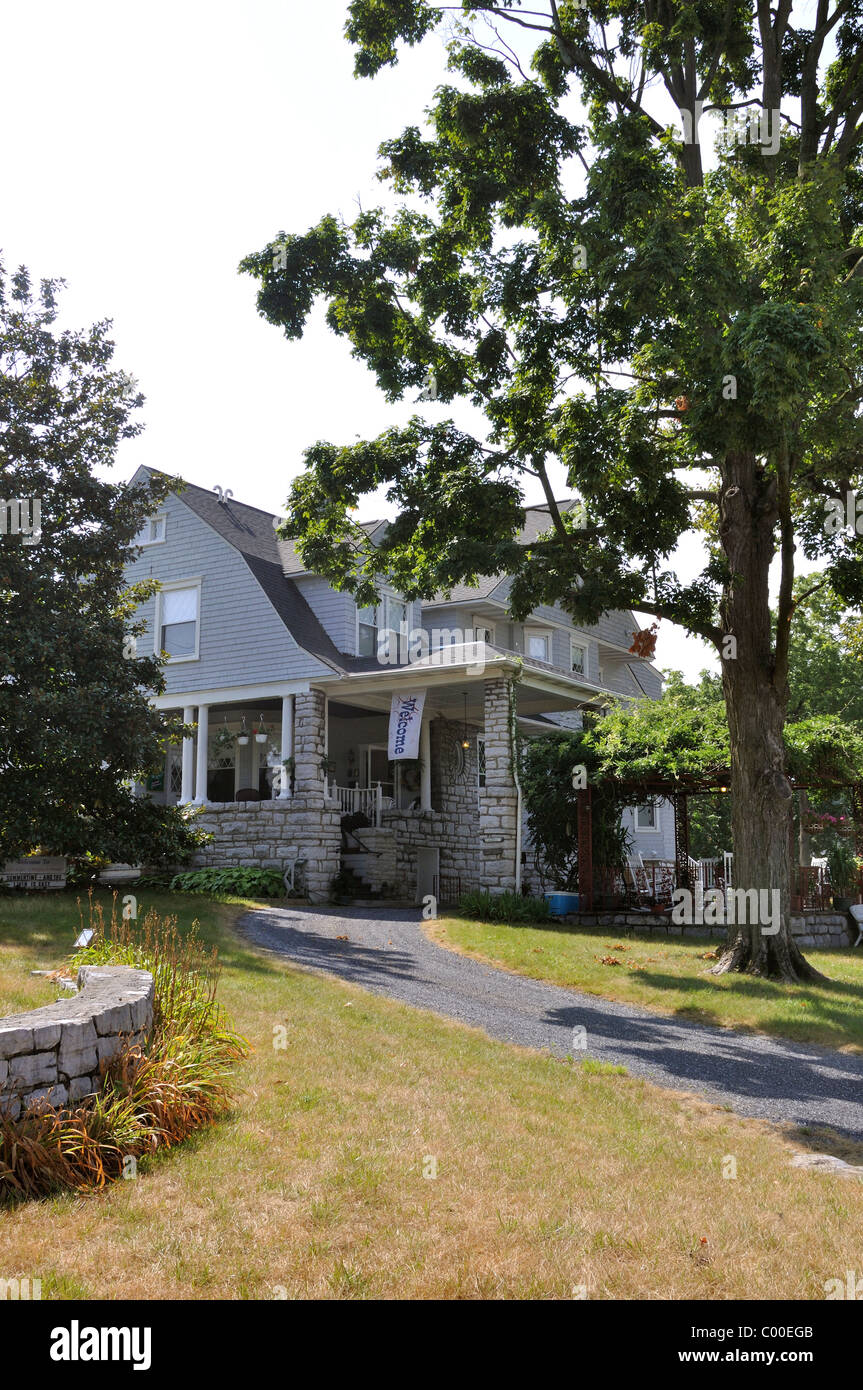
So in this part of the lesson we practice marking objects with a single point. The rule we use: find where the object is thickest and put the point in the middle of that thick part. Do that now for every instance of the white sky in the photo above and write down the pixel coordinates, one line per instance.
(147, 150)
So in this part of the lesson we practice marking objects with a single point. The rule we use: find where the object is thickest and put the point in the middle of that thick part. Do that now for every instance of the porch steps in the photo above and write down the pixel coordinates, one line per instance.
(359, 864)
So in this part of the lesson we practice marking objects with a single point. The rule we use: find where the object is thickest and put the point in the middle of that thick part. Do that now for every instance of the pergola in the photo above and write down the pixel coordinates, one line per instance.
(678, 790)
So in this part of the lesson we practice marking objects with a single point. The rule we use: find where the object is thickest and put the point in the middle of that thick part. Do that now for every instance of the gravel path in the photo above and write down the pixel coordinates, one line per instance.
(386, 951)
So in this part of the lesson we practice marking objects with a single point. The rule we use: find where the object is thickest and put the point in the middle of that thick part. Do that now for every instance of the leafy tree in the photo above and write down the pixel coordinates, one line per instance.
(76, 725)
(823, 674)
(684, 341)
(679, 740)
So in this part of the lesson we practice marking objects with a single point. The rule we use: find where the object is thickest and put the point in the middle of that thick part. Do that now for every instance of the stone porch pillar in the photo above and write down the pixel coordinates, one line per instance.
(310, 744)
(498, 798)
(314, 823)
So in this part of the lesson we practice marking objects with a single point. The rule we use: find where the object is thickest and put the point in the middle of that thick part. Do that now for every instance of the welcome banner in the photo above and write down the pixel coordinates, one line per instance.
(406, 714)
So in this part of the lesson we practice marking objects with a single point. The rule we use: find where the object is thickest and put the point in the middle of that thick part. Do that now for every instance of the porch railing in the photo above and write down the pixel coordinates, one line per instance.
(367, 800)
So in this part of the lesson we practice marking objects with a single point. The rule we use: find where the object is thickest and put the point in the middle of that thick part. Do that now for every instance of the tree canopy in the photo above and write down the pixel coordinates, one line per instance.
(76, 724)
(679, 335)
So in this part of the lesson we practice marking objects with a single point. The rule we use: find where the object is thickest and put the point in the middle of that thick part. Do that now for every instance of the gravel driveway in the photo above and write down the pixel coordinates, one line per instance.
(386, 951)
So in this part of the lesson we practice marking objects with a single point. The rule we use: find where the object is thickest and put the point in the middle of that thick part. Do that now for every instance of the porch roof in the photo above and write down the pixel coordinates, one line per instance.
(455, 672)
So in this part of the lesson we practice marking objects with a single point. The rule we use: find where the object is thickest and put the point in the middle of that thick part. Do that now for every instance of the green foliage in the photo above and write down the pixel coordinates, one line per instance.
(551, 801)
(233, 882)
(538, 245)
(158, 883)
(76, 723)
(824, 671)
(512, 908)
(680, 738)
(843, 866)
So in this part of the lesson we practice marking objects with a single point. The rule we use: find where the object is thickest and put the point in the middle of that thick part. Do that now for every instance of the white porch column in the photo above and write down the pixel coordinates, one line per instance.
(425, 764)
(186, 787)
(203, 746)
(287, 744)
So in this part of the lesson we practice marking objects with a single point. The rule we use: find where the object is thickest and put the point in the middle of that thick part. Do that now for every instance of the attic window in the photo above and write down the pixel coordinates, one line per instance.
(153, 531)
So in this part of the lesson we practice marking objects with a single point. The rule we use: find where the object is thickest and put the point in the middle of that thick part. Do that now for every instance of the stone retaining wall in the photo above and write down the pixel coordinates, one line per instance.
(55, 1052)
(811, 929)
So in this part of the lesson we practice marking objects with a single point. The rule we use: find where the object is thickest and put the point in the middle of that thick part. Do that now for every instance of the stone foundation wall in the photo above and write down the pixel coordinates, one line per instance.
(453, 826)
(269, 834)
(54, 1053)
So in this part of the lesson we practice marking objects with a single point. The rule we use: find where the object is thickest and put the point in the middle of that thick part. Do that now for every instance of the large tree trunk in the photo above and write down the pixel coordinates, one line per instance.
(756, 703)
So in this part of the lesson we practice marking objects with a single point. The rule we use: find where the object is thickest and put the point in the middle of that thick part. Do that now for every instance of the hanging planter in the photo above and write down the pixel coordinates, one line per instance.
(242, 736)
(224, 738)
(261, 733)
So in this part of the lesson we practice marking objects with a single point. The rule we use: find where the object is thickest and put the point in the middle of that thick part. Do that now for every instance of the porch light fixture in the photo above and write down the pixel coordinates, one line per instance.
(465, 743)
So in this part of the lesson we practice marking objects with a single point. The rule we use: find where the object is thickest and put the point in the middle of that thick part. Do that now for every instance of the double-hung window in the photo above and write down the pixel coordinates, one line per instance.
(578, 658)
(537, 643)
(179, 607)
(645, 816)
(367, 631)
(382, 629)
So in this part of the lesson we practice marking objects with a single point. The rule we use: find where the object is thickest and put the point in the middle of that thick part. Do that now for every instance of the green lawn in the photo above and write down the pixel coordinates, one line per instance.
(672, 975)
(550, 1177)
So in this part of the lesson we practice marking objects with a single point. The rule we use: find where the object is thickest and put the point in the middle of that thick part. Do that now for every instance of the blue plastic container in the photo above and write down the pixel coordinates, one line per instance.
(559, 904)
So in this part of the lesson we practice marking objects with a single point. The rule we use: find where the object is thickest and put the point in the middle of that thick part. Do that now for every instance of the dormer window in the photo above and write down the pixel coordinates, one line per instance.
(153, 531)
(367, 631)
(381, 626)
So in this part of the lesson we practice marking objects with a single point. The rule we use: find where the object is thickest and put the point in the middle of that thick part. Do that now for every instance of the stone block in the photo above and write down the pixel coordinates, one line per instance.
(14, 1039)
(108, 1048)
(77, 1052)
(80, 1086)
(54, 1095)
(32, 1069)
(115, 1018)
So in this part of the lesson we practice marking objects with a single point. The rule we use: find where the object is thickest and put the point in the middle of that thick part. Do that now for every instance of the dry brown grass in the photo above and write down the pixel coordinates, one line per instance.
(548, 1178)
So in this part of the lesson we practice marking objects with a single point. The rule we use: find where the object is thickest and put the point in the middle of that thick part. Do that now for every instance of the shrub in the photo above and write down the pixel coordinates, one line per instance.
(237, 882)
(159, 883)
(148, 1100)
(505, 907)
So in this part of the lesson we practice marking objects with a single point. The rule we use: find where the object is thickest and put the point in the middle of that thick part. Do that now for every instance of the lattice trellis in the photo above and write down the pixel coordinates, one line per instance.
(220, 758)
